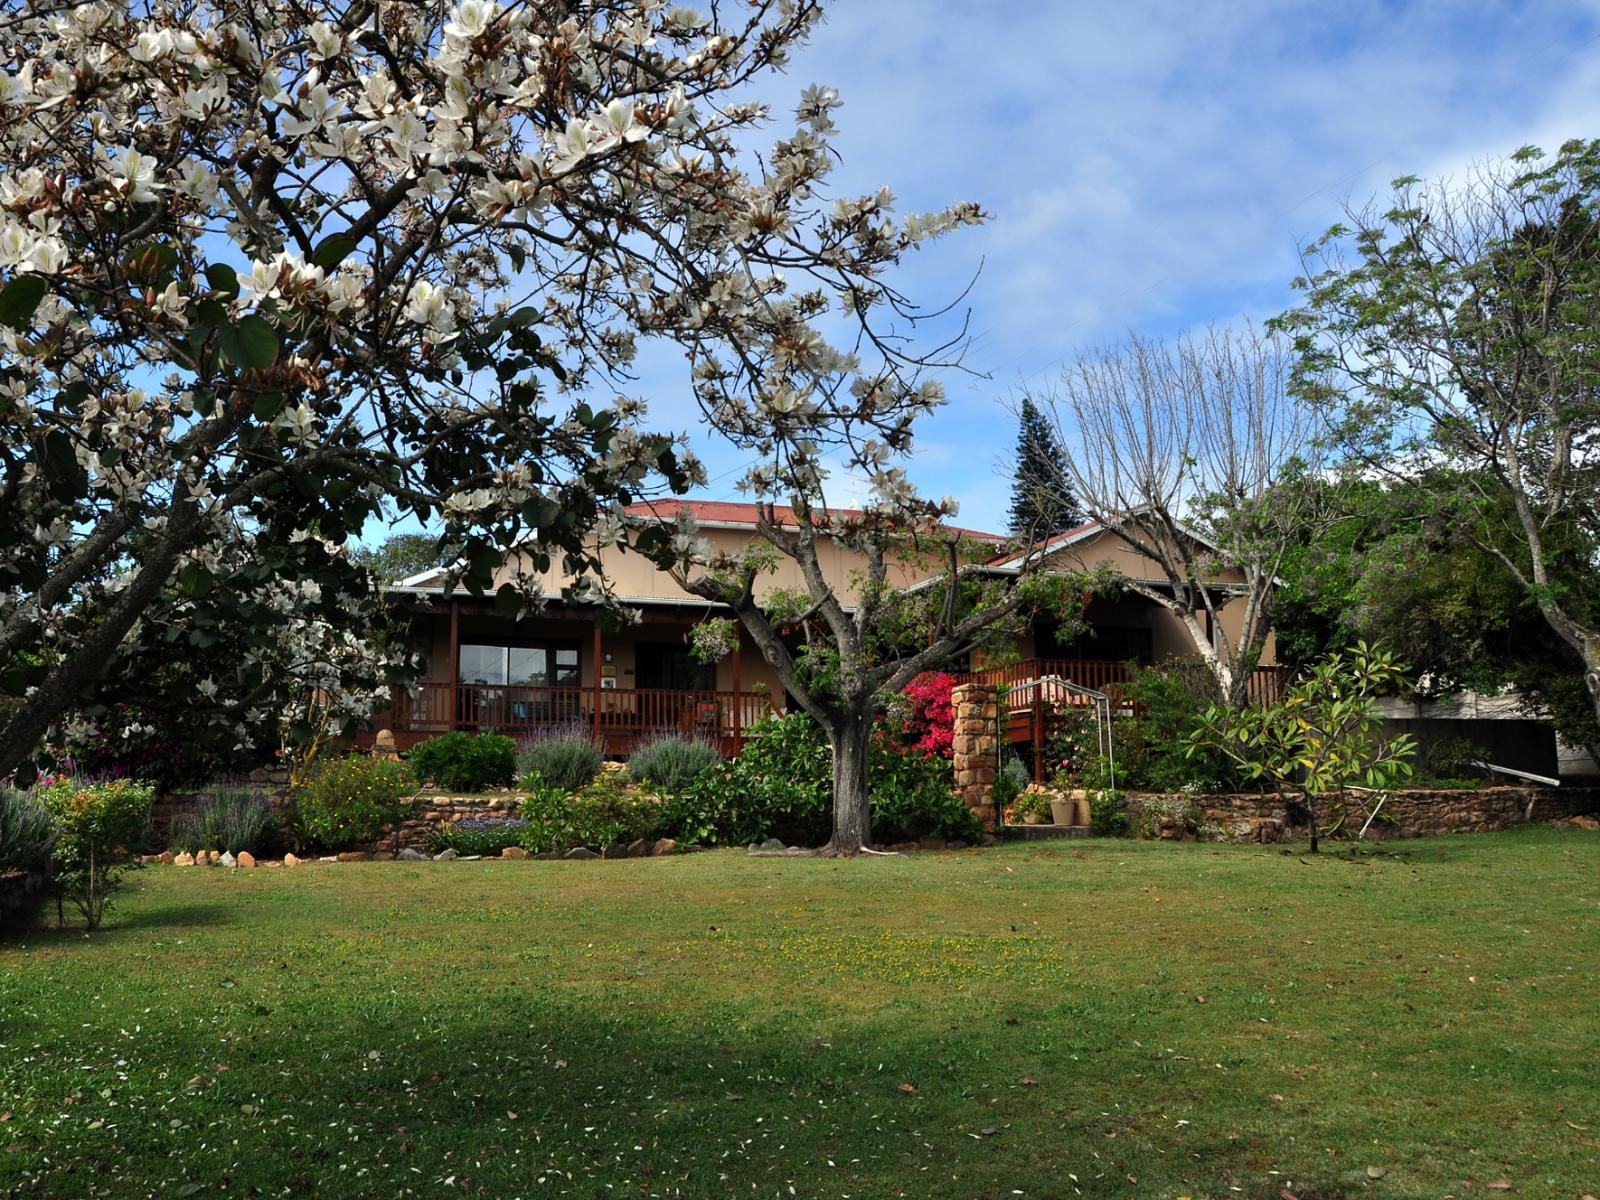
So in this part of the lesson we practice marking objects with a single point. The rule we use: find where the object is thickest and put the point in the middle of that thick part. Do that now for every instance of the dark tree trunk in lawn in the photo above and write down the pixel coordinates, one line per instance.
(852, 814)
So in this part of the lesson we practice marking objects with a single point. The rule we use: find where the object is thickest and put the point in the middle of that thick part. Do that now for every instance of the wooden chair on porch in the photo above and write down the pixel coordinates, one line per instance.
(704, 719)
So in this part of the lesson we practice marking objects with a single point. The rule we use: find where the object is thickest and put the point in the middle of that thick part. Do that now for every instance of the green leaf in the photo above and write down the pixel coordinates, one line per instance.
(223, 278)
(506, 601)
(268, 406)
(20, 298)
(251, 344)
(333, 250)
(195, 580)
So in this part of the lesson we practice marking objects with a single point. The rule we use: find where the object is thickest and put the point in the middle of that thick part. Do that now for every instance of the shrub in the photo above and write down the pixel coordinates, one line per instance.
(1324, 735)
(566, 758)
(126, 742)
(466, 762)
(922, 715)
(1072, 753)
(98, 830)
(1451, 762)
(1106, 815)
(232, 819)
(350, 801)
(782, 786)
(671, 764)
(481, 835)
(1009, 783)
(600, 815)
(913, 793)
(1152, 748)
(27, 840)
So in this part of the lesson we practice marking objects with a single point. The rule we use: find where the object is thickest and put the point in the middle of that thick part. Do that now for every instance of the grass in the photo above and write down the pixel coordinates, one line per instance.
(1115, 1019)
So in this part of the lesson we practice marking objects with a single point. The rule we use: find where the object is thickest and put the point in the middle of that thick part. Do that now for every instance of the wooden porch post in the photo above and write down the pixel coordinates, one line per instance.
(738, 697)
(455, 662)
(597, 680)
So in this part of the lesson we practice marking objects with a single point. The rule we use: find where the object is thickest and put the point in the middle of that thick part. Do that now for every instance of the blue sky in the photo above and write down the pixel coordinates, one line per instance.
(1150, 166)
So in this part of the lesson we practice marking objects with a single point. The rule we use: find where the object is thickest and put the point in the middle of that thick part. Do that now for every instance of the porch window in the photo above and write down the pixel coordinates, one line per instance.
(549, 664)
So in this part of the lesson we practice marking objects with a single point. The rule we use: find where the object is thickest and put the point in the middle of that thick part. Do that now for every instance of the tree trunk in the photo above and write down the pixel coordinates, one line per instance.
(852, 814)
(1590, 651)
(68, 679)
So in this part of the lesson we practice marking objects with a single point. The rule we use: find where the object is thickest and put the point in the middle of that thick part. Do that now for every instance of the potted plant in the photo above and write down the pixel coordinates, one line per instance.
(1066, 793)
(1033, 806)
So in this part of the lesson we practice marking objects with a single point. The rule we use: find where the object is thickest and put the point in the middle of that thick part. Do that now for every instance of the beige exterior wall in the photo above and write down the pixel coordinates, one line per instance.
(632, 575)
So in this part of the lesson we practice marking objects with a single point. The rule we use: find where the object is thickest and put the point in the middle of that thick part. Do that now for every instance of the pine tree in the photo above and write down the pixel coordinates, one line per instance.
(1040, 502)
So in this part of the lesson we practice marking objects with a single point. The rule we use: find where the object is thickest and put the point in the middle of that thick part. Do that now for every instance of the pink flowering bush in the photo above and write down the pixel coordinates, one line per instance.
(925, 716)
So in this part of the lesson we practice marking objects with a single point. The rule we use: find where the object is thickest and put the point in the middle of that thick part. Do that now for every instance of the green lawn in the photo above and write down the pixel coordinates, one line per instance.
(1092, 1018)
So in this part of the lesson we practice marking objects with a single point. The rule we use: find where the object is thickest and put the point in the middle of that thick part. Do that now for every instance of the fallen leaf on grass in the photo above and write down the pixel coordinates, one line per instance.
(1275, 1096)
(1499, 1185)
(1377, 1172)
(1027, 1081)
(1286, 1194)
(1199, 999)
(5, 1116)
(907, 1088)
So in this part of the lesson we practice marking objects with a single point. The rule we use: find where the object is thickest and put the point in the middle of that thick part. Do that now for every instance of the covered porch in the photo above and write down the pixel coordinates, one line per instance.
(486, 673)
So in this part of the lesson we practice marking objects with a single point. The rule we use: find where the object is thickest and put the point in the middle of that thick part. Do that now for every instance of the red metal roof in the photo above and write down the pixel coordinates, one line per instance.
(735, 513)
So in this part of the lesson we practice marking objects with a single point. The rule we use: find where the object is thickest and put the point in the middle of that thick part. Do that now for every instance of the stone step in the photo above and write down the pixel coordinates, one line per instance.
(1036, 833)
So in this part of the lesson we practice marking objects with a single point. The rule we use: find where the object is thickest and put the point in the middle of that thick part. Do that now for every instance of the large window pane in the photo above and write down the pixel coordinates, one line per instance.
(483, 664)
(529, 665)
(566, 666)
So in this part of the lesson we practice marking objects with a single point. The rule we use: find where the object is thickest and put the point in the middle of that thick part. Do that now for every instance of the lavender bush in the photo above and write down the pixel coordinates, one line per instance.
(480, 835)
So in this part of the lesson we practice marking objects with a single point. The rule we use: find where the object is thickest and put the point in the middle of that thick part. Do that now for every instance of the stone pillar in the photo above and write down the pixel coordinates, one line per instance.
(977, 745)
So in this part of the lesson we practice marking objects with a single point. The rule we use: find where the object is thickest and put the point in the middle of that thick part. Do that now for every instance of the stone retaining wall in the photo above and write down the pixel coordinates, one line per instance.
(416, 832)
(1411, 813)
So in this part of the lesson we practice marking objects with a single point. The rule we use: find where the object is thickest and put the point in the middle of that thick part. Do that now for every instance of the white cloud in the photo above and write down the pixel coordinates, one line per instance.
(1154, 166)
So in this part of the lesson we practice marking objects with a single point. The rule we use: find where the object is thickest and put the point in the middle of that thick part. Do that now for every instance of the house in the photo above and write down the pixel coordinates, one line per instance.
(487, 672)
(1127, 627)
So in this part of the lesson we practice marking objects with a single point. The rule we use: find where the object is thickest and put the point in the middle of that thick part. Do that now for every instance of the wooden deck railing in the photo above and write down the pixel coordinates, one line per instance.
(621, 714)
(1266, 683)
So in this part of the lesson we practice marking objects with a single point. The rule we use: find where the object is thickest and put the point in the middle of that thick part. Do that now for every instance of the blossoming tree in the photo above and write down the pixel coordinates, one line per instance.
(275, 265)
(844, 653)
